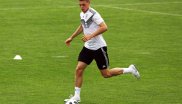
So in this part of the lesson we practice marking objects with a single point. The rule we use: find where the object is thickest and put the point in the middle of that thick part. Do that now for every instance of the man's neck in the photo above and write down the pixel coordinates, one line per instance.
(86, 10)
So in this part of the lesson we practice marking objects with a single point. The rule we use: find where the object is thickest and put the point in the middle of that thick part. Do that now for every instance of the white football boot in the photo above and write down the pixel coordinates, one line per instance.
(135, 71)
(77, 98)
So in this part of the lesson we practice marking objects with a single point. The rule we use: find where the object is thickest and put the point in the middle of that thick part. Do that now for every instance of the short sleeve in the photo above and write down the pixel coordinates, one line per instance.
(97, 18)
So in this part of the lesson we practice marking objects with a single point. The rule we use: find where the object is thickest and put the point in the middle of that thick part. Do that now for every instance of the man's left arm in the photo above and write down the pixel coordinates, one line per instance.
(102, 28)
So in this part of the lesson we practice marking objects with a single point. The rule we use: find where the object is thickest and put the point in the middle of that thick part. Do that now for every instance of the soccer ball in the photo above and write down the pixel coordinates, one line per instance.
(71, 101)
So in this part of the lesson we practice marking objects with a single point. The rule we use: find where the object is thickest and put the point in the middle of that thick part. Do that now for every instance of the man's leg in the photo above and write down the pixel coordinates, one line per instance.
(102, 60)
(79, 79)
(79, 73)
(84, 59)
(107, 73)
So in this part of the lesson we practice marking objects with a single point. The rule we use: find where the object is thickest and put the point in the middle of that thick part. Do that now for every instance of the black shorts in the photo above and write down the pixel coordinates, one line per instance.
(100, 56)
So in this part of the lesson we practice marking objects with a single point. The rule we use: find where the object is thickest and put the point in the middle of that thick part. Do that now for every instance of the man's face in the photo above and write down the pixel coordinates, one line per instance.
(84, 5)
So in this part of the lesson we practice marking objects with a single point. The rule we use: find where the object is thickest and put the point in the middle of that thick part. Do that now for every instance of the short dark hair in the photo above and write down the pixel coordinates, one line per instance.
(85, 0)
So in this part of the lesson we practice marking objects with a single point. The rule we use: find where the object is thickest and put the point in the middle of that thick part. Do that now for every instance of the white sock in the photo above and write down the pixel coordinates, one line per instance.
(77, 91)
(127, 70)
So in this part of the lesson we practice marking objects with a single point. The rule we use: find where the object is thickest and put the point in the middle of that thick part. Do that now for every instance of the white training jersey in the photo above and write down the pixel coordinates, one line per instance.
(90, 23)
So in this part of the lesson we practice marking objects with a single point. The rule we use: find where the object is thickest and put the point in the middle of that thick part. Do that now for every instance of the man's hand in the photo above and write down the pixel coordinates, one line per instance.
(102, 28)
(68, 41)
(76, 33)
(85, 38)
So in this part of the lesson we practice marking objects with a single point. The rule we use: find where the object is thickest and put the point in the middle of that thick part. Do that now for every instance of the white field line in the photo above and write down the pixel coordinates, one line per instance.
(61, 6)
(138, 10)
(152, 3)
(108, 6)
(59, 56)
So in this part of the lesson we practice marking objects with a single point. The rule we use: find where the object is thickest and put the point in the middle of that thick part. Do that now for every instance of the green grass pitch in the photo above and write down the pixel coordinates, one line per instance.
(147, 33)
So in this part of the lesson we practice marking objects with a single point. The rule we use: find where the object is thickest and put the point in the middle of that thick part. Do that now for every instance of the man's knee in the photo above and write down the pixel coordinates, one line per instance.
(80, 68)
(79, 71)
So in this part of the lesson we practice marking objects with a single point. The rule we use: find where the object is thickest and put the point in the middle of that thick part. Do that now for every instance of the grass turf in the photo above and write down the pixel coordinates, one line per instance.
(141, 32)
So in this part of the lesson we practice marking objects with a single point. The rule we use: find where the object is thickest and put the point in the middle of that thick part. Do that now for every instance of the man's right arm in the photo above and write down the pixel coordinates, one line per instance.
(78, 31)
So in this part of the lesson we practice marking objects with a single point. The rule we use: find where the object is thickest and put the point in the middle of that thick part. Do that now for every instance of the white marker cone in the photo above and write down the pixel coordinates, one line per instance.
(17, 57)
